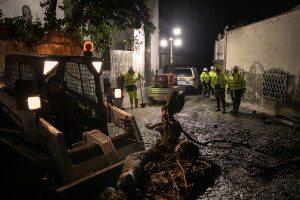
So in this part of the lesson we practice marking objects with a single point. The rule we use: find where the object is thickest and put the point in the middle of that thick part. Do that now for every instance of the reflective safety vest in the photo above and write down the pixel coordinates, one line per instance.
(205, 77)
(130, 79)
(219, 82)
(212, 73)
(237, 82)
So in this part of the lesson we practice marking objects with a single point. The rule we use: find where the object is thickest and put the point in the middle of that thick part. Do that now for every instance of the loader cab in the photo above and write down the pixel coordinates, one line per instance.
(80, 76)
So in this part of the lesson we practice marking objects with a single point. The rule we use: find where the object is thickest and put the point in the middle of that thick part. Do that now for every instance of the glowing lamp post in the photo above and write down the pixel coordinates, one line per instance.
(177, 42)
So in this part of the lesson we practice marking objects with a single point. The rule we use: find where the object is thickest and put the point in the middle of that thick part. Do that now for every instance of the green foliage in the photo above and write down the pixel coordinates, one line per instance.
(51, 22)
(1, 17)
(100, 19)
(25, 31)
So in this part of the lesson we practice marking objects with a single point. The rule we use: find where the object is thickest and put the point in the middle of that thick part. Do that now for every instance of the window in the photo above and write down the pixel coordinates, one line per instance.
(27, 13)
(184, 72)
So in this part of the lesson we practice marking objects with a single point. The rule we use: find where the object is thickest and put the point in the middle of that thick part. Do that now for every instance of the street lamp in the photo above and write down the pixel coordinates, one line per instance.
(177, 42)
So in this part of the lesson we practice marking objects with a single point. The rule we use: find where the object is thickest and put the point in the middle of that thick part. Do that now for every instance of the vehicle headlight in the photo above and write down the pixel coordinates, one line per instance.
(97, 66)
(34, 103)
(48, 66)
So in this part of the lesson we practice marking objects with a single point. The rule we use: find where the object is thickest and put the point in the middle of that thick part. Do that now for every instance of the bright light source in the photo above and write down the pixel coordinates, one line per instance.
(164, 43)
(34, 103)
(118, 93)
(177, 31)
(177, 42)
(97, 66)
(49, 65)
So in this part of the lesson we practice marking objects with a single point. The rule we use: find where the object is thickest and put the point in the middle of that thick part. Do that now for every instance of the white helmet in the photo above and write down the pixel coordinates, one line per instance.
(205, 70)
(212, 68)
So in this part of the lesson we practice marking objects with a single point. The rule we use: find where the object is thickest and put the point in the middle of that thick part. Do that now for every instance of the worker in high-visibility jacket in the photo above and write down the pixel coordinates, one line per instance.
(219, 81)
(130, 81)
(236, 88)
(212, 72)
(205, 80)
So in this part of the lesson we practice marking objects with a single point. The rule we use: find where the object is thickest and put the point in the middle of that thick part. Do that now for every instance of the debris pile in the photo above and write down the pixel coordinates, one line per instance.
(167, 170)
(171, 178)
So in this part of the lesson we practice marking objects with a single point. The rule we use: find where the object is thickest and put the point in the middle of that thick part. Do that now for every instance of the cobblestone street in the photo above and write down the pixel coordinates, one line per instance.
(270, 143)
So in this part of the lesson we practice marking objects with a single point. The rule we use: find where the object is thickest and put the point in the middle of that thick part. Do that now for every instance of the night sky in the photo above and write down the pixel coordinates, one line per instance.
(213, 16)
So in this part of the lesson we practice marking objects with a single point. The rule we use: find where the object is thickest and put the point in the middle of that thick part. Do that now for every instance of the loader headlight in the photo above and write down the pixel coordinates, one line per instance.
(34, 103)
(97, 66)
(118, 93)
(49, 65)
(115, 93)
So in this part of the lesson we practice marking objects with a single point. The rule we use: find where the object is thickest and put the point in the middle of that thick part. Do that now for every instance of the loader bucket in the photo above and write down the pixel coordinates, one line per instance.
(90, 186)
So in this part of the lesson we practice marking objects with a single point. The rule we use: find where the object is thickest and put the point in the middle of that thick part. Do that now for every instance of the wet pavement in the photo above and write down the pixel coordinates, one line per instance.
(270, 142)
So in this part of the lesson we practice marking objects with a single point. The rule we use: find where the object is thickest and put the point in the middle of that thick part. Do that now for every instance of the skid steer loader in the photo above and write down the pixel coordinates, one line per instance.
(35, 161)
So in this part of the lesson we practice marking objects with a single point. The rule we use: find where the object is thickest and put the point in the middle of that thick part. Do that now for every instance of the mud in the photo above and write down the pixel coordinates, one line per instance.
(270, 143)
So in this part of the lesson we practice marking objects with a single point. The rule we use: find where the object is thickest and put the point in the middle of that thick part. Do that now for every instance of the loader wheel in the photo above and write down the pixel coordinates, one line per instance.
(24, 186)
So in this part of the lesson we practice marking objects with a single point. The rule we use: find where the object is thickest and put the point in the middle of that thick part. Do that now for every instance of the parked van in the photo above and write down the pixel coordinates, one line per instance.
(188, 77)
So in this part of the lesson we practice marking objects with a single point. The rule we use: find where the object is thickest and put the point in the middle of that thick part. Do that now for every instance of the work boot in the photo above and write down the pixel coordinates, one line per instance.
(136, 101)
(131, 103)
(234, 108)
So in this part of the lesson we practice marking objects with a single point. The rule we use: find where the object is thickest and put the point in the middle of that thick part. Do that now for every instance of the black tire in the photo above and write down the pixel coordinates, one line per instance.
(24, 186)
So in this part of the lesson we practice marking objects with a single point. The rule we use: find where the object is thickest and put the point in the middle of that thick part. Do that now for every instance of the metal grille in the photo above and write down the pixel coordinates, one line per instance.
(274, 84)
(13, 73)
(27, 72)
(80, 82)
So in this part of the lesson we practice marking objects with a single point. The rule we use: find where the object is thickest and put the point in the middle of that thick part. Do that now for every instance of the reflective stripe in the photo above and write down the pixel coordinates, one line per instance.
(220, 80)
(130, 79)
(205, 77)
(212, 73)
(237, 82)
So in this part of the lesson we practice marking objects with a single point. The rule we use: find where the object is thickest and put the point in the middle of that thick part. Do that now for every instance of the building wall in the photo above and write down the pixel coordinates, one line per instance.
(139, 51)
(154, 6)
(13, 8)
(271, 43)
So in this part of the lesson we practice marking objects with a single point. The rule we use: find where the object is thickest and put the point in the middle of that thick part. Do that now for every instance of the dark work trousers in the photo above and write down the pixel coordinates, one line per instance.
(206, 89)
(220, 96)
(236, 96)
(211, 89)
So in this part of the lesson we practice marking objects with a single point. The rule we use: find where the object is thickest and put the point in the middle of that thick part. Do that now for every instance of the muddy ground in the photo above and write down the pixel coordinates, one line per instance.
(270, 142)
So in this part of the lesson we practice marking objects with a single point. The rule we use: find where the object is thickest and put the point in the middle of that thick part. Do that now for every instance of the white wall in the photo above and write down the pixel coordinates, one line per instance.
(274, 42)
(271, 43)
(154, 6)
(139, 51)
(13, 8)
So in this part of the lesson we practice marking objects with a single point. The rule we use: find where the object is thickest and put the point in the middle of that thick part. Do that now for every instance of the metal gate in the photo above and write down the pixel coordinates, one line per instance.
(274, 84)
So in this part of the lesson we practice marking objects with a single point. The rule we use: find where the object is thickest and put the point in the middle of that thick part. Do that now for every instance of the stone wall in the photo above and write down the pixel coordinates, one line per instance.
(271, 43)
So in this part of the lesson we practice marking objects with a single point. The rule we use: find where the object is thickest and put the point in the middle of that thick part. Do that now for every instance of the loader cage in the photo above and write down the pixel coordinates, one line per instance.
(80, 82)
(79, 76)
